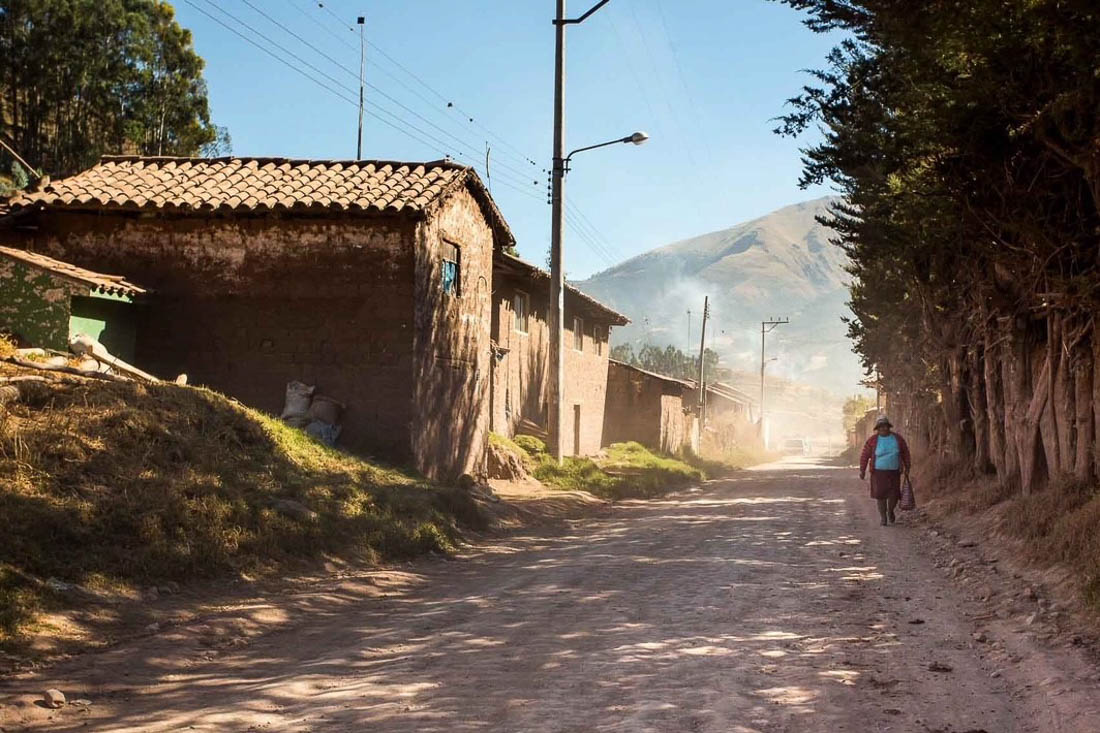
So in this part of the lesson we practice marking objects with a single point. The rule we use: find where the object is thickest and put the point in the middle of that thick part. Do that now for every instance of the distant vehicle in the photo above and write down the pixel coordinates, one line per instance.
(796, 447)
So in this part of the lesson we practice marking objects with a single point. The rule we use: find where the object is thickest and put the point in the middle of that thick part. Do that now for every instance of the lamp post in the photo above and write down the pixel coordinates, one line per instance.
(557, 218)
(557, 285)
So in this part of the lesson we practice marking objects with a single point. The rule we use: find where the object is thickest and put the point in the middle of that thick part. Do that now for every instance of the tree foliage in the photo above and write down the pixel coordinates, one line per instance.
(965, 137)
(82, 78)
(671, 362)
(855, 407)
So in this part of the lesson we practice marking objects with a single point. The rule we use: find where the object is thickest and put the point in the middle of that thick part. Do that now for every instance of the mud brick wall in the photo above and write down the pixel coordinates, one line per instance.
(450, 376)
(644, 409)
(521, 388)
(243, 305)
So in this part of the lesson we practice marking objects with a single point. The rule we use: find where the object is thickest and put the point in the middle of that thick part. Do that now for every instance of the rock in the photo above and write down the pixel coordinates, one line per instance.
(505, 464)
(980, 637)
(164, 590)
(59, 586)
(53, 698)
(1032, 618)
(917, 621)
(1031, 594)
(153, 627)
(172, 586)
(151, 593)
(81, 703)
(295, 510)
(940, 667)
(995, 674)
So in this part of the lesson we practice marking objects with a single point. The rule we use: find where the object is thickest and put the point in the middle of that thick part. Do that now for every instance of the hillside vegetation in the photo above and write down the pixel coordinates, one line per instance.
(779, 264)
(119, 485)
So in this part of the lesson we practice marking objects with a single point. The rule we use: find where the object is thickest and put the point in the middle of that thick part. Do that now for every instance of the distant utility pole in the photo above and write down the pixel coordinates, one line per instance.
(766, 327)
(362, 21)
(702, 350)
(689, 327)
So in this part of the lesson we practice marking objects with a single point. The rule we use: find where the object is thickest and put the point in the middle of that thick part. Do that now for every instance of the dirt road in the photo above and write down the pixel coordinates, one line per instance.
(770, 602)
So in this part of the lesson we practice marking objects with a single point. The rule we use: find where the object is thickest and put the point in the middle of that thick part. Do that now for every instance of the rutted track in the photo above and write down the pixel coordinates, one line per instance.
(769, 602)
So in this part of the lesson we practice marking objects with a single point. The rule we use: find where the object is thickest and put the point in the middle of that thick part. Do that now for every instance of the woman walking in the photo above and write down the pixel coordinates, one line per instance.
(887, 455)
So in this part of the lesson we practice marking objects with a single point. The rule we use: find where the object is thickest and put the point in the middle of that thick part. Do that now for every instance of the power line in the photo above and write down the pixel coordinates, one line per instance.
(314, 79)
(449, 103)
(611, 248)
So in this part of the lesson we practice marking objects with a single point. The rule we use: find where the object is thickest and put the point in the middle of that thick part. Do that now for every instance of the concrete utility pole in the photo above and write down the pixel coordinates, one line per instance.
(766, 327)
(557, 225)
(702, 351)
(362, 21)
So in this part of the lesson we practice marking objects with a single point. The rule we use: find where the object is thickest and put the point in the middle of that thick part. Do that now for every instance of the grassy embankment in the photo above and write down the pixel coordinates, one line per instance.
(120, 485)
(625, 470)
(1057, 526)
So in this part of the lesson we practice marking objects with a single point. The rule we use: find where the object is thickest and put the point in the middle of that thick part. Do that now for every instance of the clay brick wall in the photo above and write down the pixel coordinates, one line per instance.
(645, 409)
(452, 342)
(243, 305)
(520, 386)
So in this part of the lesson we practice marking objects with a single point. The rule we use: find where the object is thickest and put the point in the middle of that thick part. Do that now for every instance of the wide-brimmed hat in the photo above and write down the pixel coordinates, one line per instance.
(883, 420)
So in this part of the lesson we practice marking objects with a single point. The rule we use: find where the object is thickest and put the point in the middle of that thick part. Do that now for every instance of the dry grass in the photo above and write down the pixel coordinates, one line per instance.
(131, 484)
(1057, 526)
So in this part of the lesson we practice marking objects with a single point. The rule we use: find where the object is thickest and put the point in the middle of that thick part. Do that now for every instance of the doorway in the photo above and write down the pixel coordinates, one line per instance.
(576, 430)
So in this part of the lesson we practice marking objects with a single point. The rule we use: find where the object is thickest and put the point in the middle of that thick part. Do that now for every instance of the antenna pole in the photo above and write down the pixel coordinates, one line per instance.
(362, 21)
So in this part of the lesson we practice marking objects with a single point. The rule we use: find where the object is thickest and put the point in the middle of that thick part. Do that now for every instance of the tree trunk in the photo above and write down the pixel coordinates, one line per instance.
(1085, 425)
(979, 411)
(995, 406)
(1061, 400)
(1029, 443)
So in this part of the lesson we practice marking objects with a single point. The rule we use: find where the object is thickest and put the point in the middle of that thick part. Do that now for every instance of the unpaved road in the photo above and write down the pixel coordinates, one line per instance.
(770, 602)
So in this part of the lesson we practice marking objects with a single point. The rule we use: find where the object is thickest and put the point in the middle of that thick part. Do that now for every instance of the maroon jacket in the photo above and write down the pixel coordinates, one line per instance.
(868, 454)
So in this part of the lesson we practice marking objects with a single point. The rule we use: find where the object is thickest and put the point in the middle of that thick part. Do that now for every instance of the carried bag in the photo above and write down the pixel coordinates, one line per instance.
(908, 498)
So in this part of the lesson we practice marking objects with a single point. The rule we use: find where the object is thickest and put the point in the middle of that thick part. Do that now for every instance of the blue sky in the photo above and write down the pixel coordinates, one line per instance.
(703, 77)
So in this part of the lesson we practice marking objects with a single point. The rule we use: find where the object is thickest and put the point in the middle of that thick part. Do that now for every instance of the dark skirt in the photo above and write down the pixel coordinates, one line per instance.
(886, 484)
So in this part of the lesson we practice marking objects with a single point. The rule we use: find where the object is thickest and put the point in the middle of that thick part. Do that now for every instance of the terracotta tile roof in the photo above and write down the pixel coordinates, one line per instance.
(685, 383)
(245, 185)
(526, 269)
(113, 284)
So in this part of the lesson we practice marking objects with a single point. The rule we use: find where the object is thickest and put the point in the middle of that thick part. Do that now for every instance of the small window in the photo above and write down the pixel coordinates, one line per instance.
(451, 269)
(521, 305)
(598, 339)
(578, 334)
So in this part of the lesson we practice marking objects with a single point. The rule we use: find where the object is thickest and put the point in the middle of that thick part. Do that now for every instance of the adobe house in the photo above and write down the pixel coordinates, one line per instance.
(649, 408)
(43, 302)
(521, 342)
(369, 279)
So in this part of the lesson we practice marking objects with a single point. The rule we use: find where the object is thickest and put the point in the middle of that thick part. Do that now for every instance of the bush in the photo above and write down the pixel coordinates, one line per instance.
(531, 445)
(629, 470)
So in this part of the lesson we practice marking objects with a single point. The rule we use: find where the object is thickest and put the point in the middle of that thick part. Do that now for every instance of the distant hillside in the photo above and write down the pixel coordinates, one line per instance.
(780, 264)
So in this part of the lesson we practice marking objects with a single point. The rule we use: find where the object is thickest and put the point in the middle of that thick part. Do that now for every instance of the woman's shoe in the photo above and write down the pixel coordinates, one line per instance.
(883, 522)
(892, 518)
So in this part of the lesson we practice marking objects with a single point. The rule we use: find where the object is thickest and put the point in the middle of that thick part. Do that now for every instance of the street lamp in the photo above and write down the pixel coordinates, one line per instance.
(557, 283)
(638, 138)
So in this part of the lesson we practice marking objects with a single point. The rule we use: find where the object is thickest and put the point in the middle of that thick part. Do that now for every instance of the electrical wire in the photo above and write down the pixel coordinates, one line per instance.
(401, 124)
(415, 77)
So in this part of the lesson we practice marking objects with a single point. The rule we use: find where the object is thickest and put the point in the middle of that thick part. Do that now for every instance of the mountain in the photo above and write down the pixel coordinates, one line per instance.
(779, 265)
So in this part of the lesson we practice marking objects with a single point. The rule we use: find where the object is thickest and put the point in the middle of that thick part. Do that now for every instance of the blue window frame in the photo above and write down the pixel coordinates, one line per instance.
(451, 270)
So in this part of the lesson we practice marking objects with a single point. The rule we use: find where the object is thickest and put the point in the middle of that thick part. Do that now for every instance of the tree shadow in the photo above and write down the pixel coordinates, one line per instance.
(736, 604)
